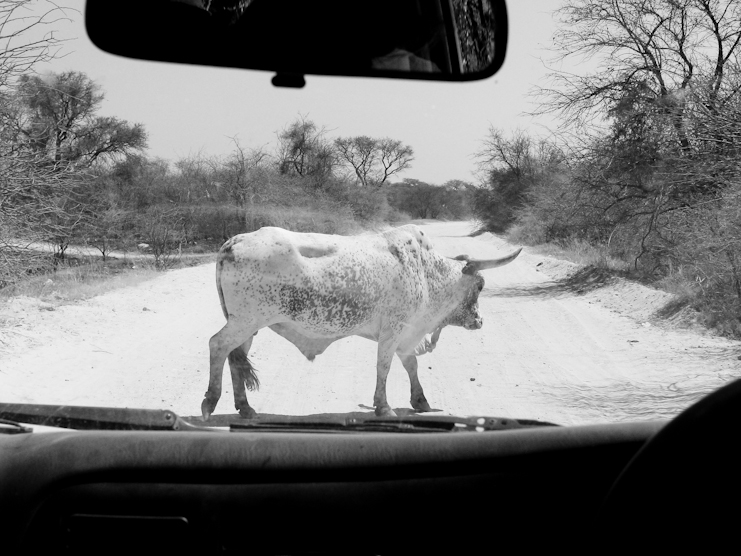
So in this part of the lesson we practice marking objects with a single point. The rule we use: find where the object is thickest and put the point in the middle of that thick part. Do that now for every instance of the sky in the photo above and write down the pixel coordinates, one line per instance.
(190, 109)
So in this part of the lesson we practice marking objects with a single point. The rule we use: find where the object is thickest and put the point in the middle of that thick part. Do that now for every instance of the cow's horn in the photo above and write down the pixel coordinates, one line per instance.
(482, 264)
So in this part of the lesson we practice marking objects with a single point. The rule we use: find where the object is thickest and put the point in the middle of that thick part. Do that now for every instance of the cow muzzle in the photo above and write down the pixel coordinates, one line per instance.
(475, 324)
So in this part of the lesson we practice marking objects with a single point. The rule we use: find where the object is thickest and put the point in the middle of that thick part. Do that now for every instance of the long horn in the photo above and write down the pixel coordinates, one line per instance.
(482, 264)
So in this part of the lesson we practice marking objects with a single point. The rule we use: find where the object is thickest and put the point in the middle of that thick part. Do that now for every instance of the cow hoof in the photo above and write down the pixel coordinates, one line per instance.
(385, 412)
(247, 413)
(207, 408)
(422, 407)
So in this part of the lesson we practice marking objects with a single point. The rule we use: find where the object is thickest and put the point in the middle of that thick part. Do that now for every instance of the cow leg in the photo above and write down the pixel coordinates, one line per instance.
(418, 400)
(243, 376)
(220, 345)
(383, 365)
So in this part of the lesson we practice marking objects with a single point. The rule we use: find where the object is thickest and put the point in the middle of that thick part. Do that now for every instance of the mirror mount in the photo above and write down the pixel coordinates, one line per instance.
(288, 80)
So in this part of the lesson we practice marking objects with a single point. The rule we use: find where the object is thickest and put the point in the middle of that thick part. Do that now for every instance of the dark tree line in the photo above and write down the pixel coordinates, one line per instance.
(451, 200)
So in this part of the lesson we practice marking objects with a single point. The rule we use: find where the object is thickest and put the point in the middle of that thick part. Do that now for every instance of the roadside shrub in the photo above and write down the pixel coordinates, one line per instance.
(19, 262)
(211, 223)
(162, 229)
(302, 219)
(397, 217)
(495, 204)
(369, 204)
(528, 229)
(418, 199)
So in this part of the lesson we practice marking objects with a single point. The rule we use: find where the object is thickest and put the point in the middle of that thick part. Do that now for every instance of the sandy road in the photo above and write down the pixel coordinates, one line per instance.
(544, 352)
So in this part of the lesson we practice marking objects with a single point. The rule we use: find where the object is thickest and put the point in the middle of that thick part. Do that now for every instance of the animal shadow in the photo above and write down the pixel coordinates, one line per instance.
(226, 419)
(400, 411)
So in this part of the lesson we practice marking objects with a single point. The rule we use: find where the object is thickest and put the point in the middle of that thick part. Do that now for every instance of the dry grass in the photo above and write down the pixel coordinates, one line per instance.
(692, 304)
(583, 253)
(681, 285)
(713, 309)
(93, 277)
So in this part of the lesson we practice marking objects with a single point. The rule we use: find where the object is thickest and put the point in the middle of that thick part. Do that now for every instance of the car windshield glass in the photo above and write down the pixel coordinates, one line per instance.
(560, 242)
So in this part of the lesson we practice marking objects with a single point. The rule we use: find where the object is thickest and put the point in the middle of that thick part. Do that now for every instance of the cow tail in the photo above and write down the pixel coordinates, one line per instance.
(238, 359)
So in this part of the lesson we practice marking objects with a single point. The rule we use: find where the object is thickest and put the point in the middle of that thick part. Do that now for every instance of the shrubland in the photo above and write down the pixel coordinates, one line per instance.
(645, 169)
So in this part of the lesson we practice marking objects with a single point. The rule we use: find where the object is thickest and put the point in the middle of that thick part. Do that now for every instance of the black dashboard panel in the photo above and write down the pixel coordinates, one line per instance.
(308, 493)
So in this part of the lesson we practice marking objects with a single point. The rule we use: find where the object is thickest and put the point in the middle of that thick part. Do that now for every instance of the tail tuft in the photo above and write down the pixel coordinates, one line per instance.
(238, 361)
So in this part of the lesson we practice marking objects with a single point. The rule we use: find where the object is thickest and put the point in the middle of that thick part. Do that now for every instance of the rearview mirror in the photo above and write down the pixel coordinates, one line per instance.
(448, 40)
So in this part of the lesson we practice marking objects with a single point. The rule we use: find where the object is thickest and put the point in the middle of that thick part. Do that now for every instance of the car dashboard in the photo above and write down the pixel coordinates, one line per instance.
(261, 492)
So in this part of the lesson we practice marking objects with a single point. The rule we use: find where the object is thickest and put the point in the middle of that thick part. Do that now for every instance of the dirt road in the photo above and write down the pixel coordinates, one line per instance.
(546, 351)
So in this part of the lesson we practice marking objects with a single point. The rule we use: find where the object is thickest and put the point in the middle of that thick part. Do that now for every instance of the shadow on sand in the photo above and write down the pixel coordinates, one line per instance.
(585, 280)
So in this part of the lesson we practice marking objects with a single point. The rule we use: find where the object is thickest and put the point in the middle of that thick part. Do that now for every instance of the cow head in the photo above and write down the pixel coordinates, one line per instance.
(466, 314)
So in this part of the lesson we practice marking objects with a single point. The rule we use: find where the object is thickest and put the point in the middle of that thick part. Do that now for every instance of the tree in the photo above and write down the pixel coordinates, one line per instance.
(653, 172)
(508, 166)
(137, 182)
(665, 90)
(242, 174)
(21, 48)
(30, 189)
(303, 151)
(652, 55)
(424, 200)
(162, 229)
(511, 154)
(104, 229)
(360, 153)
(196, 179)
(394, 156)
(458, 199)
(56, 117)
(374, 161)
(50, 140)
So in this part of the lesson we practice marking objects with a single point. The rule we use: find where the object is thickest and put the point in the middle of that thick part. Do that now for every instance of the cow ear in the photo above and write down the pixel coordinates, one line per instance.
(470, 268)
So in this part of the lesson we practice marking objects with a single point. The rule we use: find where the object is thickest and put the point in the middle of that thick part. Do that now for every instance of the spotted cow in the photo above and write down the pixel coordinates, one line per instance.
(314, 289)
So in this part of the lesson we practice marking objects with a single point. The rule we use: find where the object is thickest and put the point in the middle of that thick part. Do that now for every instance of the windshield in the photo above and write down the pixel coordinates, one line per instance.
(607, 146)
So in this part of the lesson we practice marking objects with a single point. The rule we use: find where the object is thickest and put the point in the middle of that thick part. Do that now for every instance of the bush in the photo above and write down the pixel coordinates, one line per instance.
(211, 223)
(19, 263)
(397, 217)
(302, 219)
(528, 229)
(495, 205)
(162, 228)
(369, 204)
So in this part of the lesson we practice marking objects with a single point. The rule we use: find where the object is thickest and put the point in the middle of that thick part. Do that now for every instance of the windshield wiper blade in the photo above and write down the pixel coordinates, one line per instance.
(454, 423)
(95, 418)
(473, 424)
(413, 423)
(117, 418)
(342, 425)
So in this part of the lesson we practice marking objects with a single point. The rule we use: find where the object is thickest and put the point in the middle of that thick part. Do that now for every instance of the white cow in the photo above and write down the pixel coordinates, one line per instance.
(314, 289)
